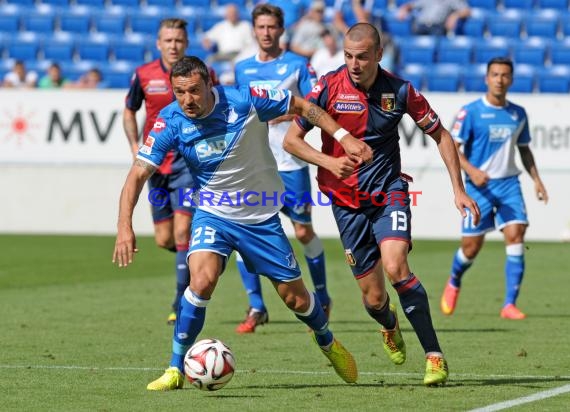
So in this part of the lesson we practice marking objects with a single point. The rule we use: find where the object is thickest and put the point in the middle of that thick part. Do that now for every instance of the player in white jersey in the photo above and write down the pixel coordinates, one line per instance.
(489, 129)
(275, 68)
(222, 135)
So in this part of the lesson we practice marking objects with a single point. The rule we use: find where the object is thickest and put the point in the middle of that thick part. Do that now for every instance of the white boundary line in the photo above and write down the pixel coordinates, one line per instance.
(525, 399)
(284, 372)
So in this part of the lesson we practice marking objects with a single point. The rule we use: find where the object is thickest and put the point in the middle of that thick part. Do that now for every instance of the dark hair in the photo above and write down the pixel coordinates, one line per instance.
(361, 31)
(501, 60)
(268, 10)
(173, 23)
(189, 65)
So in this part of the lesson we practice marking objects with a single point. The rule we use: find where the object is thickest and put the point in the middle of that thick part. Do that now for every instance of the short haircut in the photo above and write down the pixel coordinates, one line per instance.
(173, 23)
(500, 60)
(361, 31)
(188, 66)
(268, 10)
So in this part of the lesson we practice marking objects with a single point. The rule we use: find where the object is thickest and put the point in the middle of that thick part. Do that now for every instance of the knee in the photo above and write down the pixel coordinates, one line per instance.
(471, 250)
(396, 269)
(201, 284)
(181, 236)
(165, 242)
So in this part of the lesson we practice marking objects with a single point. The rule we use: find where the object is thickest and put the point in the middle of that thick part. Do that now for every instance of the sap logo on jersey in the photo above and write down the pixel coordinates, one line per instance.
(500, 132)
(159, 124)
(212, 148)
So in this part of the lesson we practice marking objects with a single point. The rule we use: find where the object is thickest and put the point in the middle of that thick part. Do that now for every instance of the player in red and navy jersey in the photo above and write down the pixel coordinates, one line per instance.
(171, 213)
(370, 200)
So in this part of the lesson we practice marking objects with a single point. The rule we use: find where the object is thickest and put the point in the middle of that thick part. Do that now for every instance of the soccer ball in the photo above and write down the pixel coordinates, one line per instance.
(209, 364)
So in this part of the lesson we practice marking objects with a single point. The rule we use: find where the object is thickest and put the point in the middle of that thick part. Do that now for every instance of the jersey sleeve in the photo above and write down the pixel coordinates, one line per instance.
(135, 95)
(158, 142)
(420, 111)
(307, 78)
(524, 137)
(461, 126)
(319, 96)
(269, 103)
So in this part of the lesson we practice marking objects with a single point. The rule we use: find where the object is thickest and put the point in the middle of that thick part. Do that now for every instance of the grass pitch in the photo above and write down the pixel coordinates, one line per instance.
(77, 333)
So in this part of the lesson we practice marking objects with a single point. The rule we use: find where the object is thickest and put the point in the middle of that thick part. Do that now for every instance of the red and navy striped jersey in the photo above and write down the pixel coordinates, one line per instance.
(151, 83)
(372, 116)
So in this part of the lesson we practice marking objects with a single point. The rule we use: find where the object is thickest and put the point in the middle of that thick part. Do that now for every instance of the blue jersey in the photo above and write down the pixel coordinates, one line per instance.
(288, 71)
(489, 135)
(227, 151)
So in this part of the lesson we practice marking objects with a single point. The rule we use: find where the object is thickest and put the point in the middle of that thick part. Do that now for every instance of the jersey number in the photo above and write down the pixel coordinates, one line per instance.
(203, 235)
(399, 220)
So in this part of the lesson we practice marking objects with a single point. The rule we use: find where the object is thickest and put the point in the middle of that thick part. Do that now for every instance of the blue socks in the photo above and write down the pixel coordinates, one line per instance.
(460, 264)
(514, 271)
(189, 322)
(315, 256)
(182, 274)
(316, 319)
(252, 284)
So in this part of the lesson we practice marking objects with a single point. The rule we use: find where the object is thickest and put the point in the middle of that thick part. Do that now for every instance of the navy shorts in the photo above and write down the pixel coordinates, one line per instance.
(166, 195)
(297, 200)
(363, 229)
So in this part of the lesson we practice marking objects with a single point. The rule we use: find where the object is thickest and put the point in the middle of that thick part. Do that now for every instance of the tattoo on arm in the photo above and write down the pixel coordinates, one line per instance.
(314, 115)
(150, 169)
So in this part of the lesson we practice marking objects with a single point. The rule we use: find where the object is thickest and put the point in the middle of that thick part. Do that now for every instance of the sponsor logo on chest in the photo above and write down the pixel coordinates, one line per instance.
(157, 86)
(348, 106)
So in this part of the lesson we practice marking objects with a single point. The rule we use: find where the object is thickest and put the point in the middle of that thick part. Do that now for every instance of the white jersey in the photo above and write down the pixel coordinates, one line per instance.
(288, 71)
(227, 152)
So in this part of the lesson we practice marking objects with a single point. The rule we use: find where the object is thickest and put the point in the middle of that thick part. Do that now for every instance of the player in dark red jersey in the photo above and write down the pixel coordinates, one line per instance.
(370, 201)
(171, 211)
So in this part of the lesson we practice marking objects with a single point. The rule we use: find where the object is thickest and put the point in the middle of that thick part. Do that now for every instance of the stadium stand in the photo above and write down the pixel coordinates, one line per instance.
(444, 78)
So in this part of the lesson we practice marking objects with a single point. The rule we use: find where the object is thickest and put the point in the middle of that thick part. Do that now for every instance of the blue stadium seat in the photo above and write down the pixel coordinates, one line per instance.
(518, 4)
(239, 3)
(197, 4)
(544, 23)
(554, 79)
(485, 49)
(415, 74)
(565, 23)
(92, 3)
(444, 77)
(135, 4)
(57, 3)
(530, 51)
(117, 75)
(146, 21)
(168, 4)
(417, 49)
(208, 21)
(59, 47)
(9, 19)
(483, 4)
(458, 50)
(74, 70)
(524, 79)
(191, 15)
(94, 47)
(560, 52)
(397, 28)
(379, 5)
(22, 2)
(23, 46)
(39, 21)
(553, 4)
(507, 23)
(131, 47)
(474, 78)
(110, 22)
(475, 25)
(76, 20)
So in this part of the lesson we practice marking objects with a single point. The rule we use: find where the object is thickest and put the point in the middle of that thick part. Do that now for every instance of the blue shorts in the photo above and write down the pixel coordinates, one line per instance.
(263, 246)
(501, 203)
(362, 230)
(297, 200)
(166, 195)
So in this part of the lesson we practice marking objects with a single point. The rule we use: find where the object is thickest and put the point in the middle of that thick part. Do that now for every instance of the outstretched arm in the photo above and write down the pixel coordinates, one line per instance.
(448, 152)
(357, 150)
(529, 165)
(125, 244)
(131, 130)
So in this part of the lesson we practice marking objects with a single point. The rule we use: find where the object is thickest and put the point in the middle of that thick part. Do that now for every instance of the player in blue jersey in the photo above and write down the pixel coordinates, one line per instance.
(222, 134)
(489, 129)
(272, 68)
(370, 202)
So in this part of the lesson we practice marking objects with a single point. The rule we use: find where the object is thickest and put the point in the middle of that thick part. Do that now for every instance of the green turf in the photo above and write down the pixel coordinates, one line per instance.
(78, 333)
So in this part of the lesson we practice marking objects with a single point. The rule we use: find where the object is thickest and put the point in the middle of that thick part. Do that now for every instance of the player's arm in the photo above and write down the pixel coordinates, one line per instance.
(530, 166)
(294, 143)
(357, 150)
(449, 154)
(125, 244)
(131, 129)
(477, 176)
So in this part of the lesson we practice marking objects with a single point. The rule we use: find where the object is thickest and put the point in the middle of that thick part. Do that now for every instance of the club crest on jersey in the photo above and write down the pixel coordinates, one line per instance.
(146, 148)
(282, 69)
(348, 107)
(291, 261)
(388, 102)
(349, 257)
